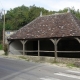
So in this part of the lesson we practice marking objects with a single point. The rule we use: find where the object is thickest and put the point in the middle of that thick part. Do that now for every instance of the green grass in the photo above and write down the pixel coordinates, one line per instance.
(22, 57)
(71, 65)
(1, 47)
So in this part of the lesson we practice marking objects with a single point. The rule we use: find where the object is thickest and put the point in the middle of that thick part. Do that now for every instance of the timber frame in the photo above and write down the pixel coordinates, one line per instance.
(52, 27)
(55, 51)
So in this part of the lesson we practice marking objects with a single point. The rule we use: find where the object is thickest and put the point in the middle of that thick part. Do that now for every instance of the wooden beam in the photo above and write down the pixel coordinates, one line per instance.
(38, 48)
(69, 51)
(55, 45)
(78, 39)
(23, 42)
(55, 42)
(49, 51)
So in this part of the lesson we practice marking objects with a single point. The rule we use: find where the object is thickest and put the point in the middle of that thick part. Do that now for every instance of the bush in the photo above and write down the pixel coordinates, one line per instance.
(6, 49)
(1, 47)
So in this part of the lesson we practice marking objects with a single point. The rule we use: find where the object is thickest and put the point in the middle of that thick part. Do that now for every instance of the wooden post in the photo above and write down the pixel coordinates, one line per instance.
(23, 42)
(38, 48)
(4, 30)
(55, 47)
(78, 39)
(55, 42)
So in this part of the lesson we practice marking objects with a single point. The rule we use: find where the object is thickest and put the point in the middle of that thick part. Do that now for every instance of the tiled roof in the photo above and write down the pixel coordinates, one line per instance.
(50, 26)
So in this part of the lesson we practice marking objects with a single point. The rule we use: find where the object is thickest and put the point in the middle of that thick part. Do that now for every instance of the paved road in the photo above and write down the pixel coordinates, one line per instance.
(23, 70)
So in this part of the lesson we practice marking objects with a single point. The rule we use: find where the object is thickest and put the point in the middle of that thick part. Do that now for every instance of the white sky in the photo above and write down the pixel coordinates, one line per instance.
(54, 5)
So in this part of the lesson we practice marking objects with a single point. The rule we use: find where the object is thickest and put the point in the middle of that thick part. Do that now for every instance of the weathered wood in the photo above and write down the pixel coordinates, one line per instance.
(46, 51)
(78, 39)
(39, 51)
(49, 51)
(23, 42)
(69, 51)
(55, 42)
(55, 47)
(38, 48)
(58, 40)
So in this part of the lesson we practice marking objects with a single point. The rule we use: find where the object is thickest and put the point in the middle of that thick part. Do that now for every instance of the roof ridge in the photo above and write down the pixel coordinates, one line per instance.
(76, 23)
(45, 16)
(32, 21)
(55, 14)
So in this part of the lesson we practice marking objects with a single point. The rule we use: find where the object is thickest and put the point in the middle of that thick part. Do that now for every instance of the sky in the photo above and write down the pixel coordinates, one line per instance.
(53, 5)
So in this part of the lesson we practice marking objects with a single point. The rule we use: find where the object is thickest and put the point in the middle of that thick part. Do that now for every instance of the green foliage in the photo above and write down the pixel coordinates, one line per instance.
(20, 16)
(35, 12)
(64, 10)
(22, 57)
(72, 10)
(71, 65)
(1, 30)
(1, 47)
(16, 18)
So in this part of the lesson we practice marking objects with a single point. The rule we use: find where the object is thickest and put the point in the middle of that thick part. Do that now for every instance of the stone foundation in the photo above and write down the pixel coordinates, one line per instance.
(51, 59)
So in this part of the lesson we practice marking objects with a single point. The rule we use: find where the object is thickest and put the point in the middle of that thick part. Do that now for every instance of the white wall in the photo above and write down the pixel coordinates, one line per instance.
(14, 47)
(8, 33)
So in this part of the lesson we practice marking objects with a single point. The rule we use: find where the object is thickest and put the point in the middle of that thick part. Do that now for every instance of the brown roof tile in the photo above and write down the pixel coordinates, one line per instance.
(56, 25)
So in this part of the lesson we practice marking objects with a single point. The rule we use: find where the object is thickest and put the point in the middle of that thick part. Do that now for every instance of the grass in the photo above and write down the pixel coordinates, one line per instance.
(70, 65)
(23, 57)
(1, 47)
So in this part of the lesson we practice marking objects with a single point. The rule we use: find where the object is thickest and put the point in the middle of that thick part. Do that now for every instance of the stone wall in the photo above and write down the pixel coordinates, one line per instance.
(68, 60)
(51, 59)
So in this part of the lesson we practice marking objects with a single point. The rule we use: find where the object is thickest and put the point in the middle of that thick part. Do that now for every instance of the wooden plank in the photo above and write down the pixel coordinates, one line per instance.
(32, 51)
(23, 42)
(69, 51)
(46, 51)
(49, 51)
(55, 47)
(38, 48)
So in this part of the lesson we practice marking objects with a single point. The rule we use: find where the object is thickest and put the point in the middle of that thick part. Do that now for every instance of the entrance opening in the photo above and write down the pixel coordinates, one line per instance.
(16, 47)
(31, 46)
(46, 46)
(69, 47)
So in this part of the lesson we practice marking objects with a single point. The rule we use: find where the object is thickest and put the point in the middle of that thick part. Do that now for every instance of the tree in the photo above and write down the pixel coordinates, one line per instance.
(20, 16)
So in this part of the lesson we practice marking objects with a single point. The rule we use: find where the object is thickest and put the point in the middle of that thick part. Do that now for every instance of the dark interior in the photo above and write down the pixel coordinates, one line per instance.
(69, 45)
(45, 45)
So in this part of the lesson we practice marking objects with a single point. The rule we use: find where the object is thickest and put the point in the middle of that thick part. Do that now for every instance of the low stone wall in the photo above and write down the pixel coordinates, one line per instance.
(51, 59)
(40, 59)
(68, 60)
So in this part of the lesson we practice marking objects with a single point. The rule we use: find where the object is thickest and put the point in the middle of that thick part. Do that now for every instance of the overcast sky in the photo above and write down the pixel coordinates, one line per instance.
(47, 4)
